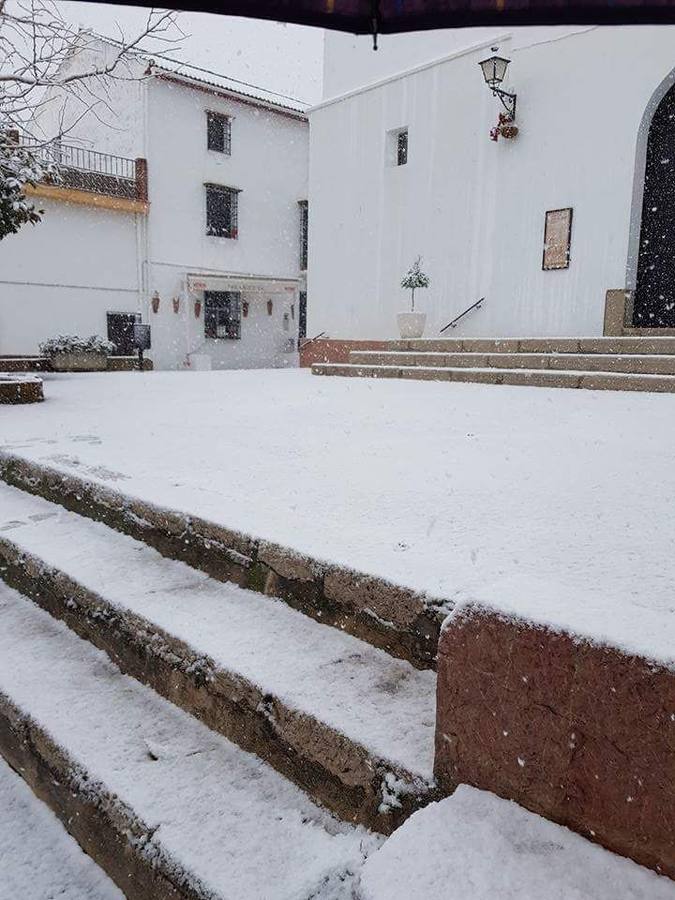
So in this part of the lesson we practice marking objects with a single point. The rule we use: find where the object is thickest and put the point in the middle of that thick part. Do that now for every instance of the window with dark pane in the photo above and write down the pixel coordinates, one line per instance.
(219, 132)
(402, 148)
(302, 315)
(221, 211)
(222, 315)
(304, 225)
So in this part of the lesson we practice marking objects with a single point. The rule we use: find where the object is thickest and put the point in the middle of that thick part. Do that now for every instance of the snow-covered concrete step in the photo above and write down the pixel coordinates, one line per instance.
(645, 363)
(595, 381)
(476, 846)
(643, 344)
(346, 721)
(165, 806)
(404, 622)
(40, 860)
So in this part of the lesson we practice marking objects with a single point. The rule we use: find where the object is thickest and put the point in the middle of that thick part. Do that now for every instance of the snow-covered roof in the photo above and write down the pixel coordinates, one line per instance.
(191, 74)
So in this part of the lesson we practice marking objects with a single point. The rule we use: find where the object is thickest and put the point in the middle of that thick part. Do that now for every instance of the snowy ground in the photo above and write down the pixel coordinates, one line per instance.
(40, 860)
(475, 846)
(467, 491)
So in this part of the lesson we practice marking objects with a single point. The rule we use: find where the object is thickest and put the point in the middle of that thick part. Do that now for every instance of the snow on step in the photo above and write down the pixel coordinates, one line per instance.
(40, 859)
(476, 846)
(380, 702)
(222, 815)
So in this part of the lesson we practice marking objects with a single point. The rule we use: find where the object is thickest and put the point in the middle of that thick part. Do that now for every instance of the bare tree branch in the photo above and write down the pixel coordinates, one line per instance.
(52, 76)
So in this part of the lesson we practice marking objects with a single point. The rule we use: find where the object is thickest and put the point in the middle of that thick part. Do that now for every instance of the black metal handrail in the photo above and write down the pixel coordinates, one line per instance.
(308, 341)
(89, 170)
(454, 322)
(82, 158)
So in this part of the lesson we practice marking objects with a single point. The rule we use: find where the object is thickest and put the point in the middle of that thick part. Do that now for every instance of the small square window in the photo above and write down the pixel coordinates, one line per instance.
(396, 147)
(222, 315)
(219, 133)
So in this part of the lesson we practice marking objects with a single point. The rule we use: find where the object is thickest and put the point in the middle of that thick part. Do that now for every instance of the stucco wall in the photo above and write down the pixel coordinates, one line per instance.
(349, 60)
(475, 209)
(269, 165)
(64, 274)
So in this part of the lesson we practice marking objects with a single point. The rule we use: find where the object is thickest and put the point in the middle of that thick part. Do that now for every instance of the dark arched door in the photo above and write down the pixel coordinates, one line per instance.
(654, 299)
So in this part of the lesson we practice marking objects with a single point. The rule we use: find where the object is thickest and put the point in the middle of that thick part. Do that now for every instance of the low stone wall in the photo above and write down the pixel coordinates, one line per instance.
(43, 364)
(326, 350)
(579, 733)
(401, 621)
(20, 390)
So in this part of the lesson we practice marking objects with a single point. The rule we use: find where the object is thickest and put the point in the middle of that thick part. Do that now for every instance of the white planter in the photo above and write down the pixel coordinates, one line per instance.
(79, 362)
(411, 324)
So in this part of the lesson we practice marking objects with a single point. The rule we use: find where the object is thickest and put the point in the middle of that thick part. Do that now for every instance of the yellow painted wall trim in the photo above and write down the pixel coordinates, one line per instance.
(87, 198)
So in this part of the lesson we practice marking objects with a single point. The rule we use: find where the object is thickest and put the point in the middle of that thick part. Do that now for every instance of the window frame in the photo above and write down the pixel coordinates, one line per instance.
(228, 305)
(304, 233)
(402, 147)
(229, 231)
(225, 123)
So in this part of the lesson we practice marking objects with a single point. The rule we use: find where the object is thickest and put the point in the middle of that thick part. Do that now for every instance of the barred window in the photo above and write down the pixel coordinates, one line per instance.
(222, 211)
(219, 133)
(304, 225)
(222, 315)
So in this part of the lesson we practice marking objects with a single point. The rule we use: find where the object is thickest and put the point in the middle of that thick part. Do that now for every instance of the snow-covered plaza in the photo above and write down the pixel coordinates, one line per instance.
(547, 511)
(504, 495)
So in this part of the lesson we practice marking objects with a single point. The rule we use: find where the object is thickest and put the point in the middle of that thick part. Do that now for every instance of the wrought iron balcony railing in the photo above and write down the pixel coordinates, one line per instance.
(89, 170)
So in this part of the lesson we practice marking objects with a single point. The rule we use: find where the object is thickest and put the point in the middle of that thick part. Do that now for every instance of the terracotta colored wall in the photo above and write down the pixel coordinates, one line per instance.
(335, 351)
(581, 734)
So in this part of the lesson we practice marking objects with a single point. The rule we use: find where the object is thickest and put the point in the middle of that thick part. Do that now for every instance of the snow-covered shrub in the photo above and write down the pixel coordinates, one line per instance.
(415, 278)
(19, 166)
(71, 343)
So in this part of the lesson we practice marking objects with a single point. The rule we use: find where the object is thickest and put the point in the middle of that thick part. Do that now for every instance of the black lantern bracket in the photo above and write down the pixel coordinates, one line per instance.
(508, 101)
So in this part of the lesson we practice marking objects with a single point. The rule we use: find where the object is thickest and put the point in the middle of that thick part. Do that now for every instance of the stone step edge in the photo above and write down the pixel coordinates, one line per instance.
(104, 827)
(553, 378)
(338, 772)
(501, 359)
(646, 344)
(403, 622)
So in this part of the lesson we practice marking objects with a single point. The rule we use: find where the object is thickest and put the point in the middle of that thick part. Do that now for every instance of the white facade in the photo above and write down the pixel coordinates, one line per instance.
(269, 165)
(472, 208)
(66, 274)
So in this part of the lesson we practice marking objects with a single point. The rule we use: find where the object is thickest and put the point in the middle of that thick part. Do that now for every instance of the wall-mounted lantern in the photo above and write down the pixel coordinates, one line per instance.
(494, 70)
(198, 308)
(244, 308)
(154, 300)
(176, 304)
(270, 307)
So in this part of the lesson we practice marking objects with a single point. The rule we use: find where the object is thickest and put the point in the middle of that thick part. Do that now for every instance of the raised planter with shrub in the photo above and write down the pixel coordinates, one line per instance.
(69, 353)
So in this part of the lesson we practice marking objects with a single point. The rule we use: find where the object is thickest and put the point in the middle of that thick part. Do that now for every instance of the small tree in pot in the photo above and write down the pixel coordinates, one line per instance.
(411, 324)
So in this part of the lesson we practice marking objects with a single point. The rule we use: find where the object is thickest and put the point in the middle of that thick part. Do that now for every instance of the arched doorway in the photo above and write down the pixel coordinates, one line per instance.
(654, 297)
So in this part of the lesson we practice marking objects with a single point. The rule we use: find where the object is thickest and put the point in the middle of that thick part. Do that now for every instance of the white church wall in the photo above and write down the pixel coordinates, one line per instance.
(475, 209)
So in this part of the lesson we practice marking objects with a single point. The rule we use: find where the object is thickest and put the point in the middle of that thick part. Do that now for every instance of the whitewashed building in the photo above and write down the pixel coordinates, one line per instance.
(189, 213)
(596, 120)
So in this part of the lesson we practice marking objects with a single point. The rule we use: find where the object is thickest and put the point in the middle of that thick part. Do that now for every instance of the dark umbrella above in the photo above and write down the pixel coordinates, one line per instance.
(393, 16)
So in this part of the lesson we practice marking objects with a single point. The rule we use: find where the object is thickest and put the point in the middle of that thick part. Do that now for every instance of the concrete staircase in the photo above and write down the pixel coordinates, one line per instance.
(620, 364)
(199, 739)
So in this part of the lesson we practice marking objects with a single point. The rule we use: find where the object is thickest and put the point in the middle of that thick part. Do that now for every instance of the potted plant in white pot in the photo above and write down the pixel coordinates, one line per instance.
(69, 353)
(411, 324)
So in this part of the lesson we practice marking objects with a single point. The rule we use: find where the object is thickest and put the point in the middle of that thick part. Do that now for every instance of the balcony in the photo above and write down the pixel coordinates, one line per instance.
(90, 178)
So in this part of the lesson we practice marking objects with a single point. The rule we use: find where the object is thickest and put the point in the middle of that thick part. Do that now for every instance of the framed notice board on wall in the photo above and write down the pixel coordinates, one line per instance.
(557, 239)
